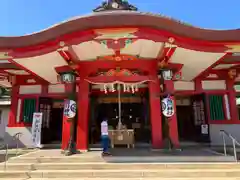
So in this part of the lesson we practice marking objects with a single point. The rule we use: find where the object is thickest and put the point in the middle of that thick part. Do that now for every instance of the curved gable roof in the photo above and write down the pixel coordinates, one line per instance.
(120, 19)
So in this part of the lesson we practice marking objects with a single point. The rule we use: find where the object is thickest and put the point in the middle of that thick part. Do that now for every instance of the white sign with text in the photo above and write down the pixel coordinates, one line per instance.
(36, 129)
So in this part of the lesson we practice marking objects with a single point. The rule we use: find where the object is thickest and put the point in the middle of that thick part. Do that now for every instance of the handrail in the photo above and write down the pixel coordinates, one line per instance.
(234, 143)
(6, 146)
(16, 137)
(6, 155)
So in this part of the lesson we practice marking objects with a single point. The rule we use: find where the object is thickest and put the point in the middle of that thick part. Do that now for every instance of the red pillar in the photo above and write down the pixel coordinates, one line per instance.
(44, 90)
(156, 115)
(232, 101)
(198, 86)
(82, 123)
(14, 105)
(66, 129)
(173, 126)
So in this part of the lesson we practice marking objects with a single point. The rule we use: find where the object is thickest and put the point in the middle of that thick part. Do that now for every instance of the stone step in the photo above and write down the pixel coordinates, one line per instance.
(123, 173)
(205, 178)
(55, 159)
(117, 166)
(116, 159)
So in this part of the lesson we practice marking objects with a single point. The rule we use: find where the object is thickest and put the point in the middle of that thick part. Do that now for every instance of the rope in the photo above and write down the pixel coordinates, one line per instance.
(119, 82)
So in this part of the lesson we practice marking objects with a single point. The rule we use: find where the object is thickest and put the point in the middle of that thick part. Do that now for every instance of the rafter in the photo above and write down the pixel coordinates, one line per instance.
(209, 70)
(29, 71)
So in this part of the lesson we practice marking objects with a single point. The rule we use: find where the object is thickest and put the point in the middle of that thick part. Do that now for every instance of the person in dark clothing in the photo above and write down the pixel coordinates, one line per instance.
(166, 133)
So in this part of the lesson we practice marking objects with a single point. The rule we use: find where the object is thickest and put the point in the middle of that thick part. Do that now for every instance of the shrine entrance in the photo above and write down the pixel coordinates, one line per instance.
(52, 110)
(191, 117)
(126, 107)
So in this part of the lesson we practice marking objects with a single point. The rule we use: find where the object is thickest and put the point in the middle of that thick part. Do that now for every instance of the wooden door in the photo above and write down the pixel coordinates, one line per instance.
(45, 106)
(200, 118)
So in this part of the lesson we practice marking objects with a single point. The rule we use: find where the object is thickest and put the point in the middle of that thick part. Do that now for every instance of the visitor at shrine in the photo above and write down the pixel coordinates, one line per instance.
(105, 137)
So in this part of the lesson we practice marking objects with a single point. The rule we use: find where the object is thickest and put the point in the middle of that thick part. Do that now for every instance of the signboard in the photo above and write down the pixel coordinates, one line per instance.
(168, 107)
(204, 129)
(70, 107)
(36, 129)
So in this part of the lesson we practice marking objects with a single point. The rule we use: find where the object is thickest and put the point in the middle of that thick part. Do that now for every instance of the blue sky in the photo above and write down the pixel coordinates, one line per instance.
(19, 17)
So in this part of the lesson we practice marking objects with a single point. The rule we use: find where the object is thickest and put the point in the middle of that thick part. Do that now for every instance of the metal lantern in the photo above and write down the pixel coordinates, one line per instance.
(68, 77)
(167, 74)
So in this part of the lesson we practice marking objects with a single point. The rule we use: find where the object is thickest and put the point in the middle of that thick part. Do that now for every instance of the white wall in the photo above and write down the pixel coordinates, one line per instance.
(30, 89)
(24, 141)
(216, 138)
(184, 85)
(4, 120)
(56, 88)
(214, 85)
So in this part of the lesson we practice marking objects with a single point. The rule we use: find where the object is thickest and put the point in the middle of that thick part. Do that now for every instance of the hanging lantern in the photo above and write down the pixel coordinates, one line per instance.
(167, 74)
(168, 107)
(68, 77)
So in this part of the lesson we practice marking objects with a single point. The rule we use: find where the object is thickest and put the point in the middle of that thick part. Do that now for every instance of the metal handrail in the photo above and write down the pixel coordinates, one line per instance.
(6, 146)
(16, 137)
(6, 154)
(234, 143)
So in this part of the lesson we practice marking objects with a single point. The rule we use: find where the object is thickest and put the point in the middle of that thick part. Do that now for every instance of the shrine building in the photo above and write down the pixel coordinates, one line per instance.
(119, 63)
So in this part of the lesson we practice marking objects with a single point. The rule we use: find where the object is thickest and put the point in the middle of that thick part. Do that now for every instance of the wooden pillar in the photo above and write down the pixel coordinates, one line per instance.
(155, 114)
(198, 86)
(66, 129)
(45, 90)
(82, 123)
(173, 125)
(14, 105)
(232, 101)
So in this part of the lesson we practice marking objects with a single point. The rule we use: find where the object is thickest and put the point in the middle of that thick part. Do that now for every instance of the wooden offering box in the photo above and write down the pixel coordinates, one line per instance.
(122, 137)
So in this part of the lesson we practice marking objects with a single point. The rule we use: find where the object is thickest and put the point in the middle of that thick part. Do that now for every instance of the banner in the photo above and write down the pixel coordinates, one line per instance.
(36, 129)
(70, 107)
(168, 107)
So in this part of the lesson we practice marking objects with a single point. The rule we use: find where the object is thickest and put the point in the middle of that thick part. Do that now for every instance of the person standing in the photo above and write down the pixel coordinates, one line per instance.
(105, 137)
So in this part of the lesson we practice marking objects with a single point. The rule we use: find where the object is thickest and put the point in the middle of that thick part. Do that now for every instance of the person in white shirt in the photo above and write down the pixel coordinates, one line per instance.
(105, 137)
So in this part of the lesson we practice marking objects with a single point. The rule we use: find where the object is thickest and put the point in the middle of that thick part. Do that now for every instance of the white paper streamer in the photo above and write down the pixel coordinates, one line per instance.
(227, 107)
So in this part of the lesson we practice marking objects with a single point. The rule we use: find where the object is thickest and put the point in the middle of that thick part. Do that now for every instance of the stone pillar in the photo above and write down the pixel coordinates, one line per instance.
(232, 101)
(155, 114)
(173, 125)
(82, 122)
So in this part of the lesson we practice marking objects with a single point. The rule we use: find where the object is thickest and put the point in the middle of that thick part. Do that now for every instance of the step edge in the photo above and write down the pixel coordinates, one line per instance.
(121, 170)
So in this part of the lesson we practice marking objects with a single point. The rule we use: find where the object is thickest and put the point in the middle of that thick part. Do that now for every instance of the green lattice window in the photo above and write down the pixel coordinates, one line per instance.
(216, 107)
(29, 107)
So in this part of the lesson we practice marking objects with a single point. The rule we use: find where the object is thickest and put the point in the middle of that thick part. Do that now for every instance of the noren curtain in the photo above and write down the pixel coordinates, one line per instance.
(29, 107)
(216, 107)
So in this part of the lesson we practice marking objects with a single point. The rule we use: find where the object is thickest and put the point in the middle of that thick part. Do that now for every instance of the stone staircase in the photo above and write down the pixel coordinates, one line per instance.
(52, 165)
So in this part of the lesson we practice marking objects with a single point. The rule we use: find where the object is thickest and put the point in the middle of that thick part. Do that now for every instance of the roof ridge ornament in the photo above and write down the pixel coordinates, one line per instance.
(112, 5)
